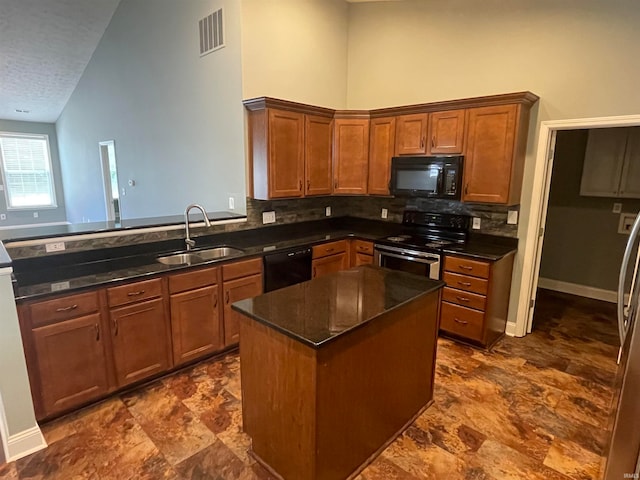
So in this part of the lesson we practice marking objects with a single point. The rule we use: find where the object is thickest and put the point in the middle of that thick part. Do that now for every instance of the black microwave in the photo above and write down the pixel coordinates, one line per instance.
(430, 177)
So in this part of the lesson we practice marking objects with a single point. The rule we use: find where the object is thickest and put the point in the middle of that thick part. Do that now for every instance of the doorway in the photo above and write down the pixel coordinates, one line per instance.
(533, 241)
(110, 180)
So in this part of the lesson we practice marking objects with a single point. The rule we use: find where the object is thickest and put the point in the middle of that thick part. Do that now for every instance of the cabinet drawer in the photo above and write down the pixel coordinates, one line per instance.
(465, 282)
(467, 267)
(193, 279)
(462, 321)
(134, 292)
(242, 269)
(466, 299)
(330, 248)
(361, 246)
(63, 308)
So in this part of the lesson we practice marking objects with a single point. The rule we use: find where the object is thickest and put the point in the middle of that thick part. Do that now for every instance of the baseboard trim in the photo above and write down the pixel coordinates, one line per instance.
(580, 290)
(25, 443)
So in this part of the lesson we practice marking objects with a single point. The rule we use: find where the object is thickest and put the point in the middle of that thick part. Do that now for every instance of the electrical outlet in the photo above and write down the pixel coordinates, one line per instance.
(626, 222)
(3, 216)
(269, 217)
(476, 223)
(327, 211)
(512, 217)
(35, 214)
(617, 208)
(232, 203)
(54, 247)
(384, 213)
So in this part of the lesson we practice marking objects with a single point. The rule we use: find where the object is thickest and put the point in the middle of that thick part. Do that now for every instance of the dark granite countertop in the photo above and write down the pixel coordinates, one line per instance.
(52, 231)
(52, 274)
(320, 310)
(485, 247)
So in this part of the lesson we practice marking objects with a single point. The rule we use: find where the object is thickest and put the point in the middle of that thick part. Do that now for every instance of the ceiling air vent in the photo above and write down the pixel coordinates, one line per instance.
(211, 33)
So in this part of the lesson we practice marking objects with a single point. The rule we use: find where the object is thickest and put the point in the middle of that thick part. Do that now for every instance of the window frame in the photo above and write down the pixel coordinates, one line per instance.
(52, 178)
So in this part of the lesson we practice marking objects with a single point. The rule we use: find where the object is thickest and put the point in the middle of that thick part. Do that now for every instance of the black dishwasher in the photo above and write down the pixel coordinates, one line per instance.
(286, 268)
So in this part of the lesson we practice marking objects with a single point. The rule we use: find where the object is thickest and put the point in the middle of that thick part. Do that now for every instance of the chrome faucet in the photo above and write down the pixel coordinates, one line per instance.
(191, 243)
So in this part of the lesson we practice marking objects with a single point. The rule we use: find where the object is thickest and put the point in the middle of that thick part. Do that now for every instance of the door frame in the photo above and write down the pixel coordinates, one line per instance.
(534, 237)
(106, 178)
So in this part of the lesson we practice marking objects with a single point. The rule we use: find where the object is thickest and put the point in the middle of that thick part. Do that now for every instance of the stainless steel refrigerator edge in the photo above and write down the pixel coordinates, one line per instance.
(623, 459)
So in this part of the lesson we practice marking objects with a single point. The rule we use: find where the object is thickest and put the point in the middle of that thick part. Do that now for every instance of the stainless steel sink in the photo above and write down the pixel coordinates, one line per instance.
(199, 256)
(218, 252)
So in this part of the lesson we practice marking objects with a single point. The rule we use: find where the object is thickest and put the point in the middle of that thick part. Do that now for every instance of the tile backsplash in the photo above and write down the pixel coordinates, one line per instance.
(493, 219)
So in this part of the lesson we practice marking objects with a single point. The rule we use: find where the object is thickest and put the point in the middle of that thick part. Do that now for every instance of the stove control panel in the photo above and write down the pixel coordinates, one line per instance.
(440, 220)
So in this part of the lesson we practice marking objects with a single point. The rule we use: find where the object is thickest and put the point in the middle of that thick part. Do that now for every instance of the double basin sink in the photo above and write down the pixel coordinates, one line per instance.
(199, 256)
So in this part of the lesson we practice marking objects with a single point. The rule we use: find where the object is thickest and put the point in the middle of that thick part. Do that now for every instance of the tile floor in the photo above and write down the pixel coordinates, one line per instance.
(533, 408)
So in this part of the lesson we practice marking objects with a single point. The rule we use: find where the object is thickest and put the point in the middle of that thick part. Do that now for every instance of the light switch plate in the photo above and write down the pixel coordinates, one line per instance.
(617, 208)
(232, 203)
(327, 211)
(626, 222)
(476, 223)
(3, 216)
(269, 217)
(512, 217)
(384, 213)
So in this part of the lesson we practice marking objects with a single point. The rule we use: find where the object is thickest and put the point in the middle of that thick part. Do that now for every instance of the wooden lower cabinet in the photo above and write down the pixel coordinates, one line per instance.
(330, 264)
(235, 290)
(195, 324)
(361, 253)
(475, 301)
(70, 362)
(140, 341)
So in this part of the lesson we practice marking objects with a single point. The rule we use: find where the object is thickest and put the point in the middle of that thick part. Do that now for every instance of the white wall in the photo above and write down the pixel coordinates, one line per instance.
(176, 118)
(295, 50)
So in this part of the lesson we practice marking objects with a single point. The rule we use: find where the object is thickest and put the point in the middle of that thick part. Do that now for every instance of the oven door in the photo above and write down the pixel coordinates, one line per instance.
(410, 261)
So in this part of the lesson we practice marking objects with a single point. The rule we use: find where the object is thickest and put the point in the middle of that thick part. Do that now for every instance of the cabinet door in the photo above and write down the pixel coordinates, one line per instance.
(71, 363)
(332, 263)
(361, 259)
(630, 182)
(195, 324)
(235, 290)
(351, 156)
(381, 148)
(140, 341)
(318, 141)
(603, 161)
(411, 134)
(286, 153)
(489, 153)
(446, 131)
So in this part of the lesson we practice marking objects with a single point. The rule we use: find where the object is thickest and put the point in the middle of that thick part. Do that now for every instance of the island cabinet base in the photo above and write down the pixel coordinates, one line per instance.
(324, 413)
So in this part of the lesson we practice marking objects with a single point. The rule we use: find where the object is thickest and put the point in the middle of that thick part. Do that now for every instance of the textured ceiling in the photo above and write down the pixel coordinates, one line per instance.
(45, 46)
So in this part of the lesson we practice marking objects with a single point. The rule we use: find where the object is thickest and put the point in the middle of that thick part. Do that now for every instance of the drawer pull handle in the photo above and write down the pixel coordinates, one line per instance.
(433, 142)
(226, 297)
(329, 249)
(215, 302)
(463, 299)
(462, 322)
(466, 284)
(97, 327)
(363, 249)
(314, 272)
(300, 185)
(422, 142)
(67, 309)
(115, 327)
(135, 294)
(466, 267)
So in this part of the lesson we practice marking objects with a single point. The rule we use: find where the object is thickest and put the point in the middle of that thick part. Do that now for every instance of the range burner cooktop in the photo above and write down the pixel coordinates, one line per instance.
(427, 231)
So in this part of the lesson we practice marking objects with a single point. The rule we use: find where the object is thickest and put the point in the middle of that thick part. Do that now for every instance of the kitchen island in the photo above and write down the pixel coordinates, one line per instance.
(333, 369)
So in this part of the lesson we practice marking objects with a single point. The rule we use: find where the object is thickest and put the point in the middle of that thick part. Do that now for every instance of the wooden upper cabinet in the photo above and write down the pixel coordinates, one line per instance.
(446, 132)
(411, 134)
(381, 149)
(494, 157)
(350, 155)
(318, 155)
(286, 154)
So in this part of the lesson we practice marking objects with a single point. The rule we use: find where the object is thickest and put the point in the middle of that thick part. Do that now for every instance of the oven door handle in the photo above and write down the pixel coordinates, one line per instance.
(407, 257)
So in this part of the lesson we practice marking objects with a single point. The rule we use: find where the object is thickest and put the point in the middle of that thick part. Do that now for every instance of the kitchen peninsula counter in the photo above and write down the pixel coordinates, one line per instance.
(333, 369)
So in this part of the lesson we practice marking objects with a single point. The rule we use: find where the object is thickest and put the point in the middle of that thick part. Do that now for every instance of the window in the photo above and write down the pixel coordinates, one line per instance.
(26, 168)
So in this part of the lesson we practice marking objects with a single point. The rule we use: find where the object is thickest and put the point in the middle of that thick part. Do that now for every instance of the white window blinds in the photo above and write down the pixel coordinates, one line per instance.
(26, 167)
